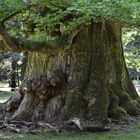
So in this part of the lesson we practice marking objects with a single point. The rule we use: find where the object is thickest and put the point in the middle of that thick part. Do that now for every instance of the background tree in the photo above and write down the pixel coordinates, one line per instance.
(132, 51)
(76, 66)
(4, 67)
(12, 68)
(14, 77)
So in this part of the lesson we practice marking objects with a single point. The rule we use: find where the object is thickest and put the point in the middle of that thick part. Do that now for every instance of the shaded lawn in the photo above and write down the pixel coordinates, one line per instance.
(75, 136)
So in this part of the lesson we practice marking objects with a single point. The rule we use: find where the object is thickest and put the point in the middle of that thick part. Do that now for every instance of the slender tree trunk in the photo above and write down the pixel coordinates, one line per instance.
(89, 80)
(13, 83)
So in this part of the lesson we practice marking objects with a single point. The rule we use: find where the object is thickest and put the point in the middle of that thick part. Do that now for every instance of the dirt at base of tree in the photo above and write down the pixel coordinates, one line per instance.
(130, 124)
(126, 125)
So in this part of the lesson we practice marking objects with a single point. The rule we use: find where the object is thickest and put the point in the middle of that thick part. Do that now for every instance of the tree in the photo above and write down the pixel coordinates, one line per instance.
(76, 66)
(12, 67)
(4, 67)
(132, 54)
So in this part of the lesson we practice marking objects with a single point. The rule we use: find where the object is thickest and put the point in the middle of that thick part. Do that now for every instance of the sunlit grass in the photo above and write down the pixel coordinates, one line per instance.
(4, 96)
(4, 85)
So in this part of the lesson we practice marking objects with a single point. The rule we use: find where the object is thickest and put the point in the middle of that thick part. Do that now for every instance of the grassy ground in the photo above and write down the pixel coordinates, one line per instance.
(75, 136)
(4, 96)
(4, 85)
(114, 135)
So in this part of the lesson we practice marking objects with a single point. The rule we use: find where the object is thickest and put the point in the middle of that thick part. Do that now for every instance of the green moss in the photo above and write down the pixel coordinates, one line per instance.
(124, 99)
(114, 101)
(100, 108)
(74, 103)
(95, 111)
(129, 105)
(118, 113)
(131, 109)
(115, 98)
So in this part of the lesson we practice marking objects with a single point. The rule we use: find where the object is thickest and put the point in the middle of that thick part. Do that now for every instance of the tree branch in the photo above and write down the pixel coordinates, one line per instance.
(2, 21)
(8, 43)
(10, 16)
(51, 46)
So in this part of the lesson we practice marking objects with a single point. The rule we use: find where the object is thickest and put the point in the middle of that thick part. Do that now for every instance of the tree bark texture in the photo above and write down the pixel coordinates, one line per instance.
(89, 80)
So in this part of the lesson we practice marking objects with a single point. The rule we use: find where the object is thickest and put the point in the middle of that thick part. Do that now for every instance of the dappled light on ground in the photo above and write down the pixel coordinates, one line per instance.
(3, 99)
(4, 96)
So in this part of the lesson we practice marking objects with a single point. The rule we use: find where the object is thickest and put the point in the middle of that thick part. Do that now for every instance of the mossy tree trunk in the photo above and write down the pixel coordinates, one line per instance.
(88, 80)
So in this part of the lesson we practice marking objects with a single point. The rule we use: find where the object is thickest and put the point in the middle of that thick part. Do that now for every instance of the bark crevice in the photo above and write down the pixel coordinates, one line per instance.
(89, 80)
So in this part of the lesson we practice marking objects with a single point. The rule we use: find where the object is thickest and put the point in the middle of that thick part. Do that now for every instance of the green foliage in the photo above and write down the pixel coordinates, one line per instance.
(132, 50)
(129, 34)
(9, 6)
(48, 16)
(6, 65)
(82, 11)
(41, 36)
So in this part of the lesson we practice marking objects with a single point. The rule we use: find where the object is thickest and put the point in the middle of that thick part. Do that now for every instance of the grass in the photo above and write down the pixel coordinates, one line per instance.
(4, 85)
(4, 96)
(75, 136)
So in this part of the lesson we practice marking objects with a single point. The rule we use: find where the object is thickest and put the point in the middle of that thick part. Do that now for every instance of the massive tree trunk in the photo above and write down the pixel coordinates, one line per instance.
(89, 80)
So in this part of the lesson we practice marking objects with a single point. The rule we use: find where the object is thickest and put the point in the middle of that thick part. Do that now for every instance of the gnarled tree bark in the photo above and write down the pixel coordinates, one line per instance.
(89, 80)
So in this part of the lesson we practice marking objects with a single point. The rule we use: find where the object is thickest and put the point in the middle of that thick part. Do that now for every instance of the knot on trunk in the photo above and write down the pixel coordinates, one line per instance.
(43, 85)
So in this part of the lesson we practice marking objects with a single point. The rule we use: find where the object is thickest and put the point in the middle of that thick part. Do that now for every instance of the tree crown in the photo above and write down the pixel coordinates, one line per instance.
(44, 20)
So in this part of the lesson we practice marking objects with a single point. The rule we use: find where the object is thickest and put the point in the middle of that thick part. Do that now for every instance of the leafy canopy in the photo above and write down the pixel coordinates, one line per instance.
(132, 53)
(52, 16)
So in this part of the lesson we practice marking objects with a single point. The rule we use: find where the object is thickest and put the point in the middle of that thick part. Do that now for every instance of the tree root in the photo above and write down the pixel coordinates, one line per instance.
(23, 126)
(38, 127)
(76, 122)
